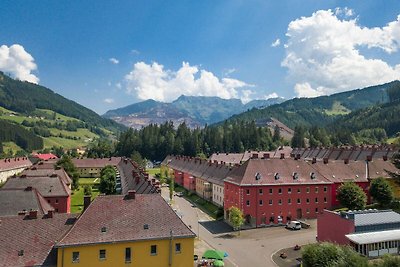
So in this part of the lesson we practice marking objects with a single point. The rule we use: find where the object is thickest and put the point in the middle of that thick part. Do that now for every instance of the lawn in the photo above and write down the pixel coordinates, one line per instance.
(202, 204)
(77, 197)
(11, 146)
(153, 171)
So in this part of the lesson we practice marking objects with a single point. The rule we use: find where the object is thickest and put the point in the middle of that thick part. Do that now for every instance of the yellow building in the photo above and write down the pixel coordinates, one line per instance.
(133, 230)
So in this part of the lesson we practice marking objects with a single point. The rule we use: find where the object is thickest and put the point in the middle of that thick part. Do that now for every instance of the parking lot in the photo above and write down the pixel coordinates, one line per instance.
(253, 247)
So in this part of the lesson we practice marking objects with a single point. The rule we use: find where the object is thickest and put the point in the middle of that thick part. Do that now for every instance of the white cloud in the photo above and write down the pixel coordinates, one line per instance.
(113, 60)
(118, 85)
(272, 95)
(228, 72)
(323, 53)
(135, 52)
(276, 43)
(151, 81)
(347, 12)
(109, 100)
(19, 63)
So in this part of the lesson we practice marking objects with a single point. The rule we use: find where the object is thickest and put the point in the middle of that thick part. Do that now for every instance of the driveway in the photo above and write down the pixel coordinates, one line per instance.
(249, 248)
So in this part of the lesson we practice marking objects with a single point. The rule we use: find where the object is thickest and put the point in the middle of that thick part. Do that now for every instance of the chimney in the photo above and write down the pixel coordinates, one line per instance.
(282, 155)
(22, 212)
(385, 158)
(216, 162)
(86, 202)
(325, 160)
(131, 194)
(28, 188)
(369, 158)
(314, 160)
(298, 156)
(50, 214)
(153, 181)
(255, 156)
(346, 161)
(266, 155)
(33, 214)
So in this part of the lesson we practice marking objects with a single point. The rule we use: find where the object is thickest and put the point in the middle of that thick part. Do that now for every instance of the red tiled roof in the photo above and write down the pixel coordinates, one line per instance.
(96, 163)
(35, 237)
(268, 168)
(45, 156)
(13, 201)
(124, 219)
(338, 172)
(34, 172)
(46, 185)
(13, 163)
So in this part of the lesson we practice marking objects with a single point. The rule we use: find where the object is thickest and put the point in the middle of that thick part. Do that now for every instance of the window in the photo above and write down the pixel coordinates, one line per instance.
(248, 202)
(178, 248)
(298, 190)
(289, 190)
(280, 191)
(289, 201)
(153, 250)
(128, 254)
(261, 202)
(316, 189)
(247, 191)
(308, 190)
(325, 200)
(49, 201)
(280, 202)
(56, 210)
(325, 189)
(308, 211)
(75, 256)
(260, 191)
(316, 210)
(270, 201)
(270, 190)
(308, 201)
(56, 200)
(298, 201)
(316, 200)
(102, 254)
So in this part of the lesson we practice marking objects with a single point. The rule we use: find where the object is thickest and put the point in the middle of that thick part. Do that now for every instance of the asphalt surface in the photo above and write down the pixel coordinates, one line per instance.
(253, 247)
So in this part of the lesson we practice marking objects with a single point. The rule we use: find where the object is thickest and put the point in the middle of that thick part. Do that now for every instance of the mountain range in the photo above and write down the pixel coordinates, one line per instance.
(196, 111)
(320, 111)
(33, 117)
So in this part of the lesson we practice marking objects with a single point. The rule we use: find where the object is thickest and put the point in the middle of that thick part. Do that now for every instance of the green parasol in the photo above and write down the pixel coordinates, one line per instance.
(214, 254)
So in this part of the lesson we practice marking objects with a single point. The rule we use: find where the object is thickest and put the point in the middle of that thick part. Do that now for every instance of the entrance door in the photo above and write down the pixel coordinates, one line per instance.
(299, 214)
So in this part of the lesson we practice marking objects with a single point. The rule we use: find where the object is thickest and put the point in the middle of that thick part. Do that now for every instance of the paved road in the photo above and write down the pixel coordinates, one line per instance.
(252, 247)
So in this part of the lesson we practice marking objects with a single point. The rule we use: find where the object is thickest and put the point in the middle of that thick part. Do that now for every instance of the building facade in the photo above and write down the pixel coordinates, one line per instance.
(12, 166)
(372, 233)
(131, 230)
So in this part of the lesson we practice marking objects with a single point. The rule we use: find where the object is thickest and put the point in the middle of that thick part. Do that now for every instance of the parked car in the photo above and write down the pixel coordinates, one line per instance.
(294, 225)
(179, 194)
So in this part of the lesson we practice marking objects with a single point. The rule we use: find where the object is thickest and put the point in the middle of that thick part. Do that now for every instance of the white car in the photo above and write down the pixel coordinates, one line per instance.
(294, 225)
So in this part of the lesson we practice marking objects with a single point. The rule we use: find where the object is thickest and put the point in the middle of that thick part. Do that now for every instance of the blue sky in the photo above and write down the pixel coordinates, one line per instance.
(108, 54)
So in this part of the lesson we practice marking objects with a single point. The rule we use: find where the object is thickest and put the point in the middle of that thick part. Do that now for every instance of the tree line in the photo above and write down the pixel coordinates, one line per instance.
(155, 142)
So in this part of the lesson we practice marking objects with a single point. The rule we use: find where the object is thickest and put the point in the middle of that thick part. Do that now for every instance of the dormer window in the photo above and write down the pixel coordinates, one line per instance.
(277, 176)
(295, 176)
(258, 176)
(313, 176)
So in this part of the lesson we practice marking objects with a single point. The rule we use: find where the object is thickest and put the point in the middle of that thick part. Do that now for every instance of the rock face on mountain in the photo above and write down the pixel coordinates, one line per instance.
(194, 110)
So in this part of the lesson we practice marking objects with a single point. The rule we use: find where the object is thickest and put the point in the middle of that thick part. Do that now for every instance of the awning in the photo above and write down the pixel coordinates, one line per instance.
(374, 237)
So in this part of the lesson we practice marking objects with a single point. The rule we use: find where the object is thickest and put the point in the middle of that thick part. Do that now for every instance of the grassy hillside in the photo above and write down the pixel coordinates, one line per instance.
(54, 126)
(26, 98)
(323, 110)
